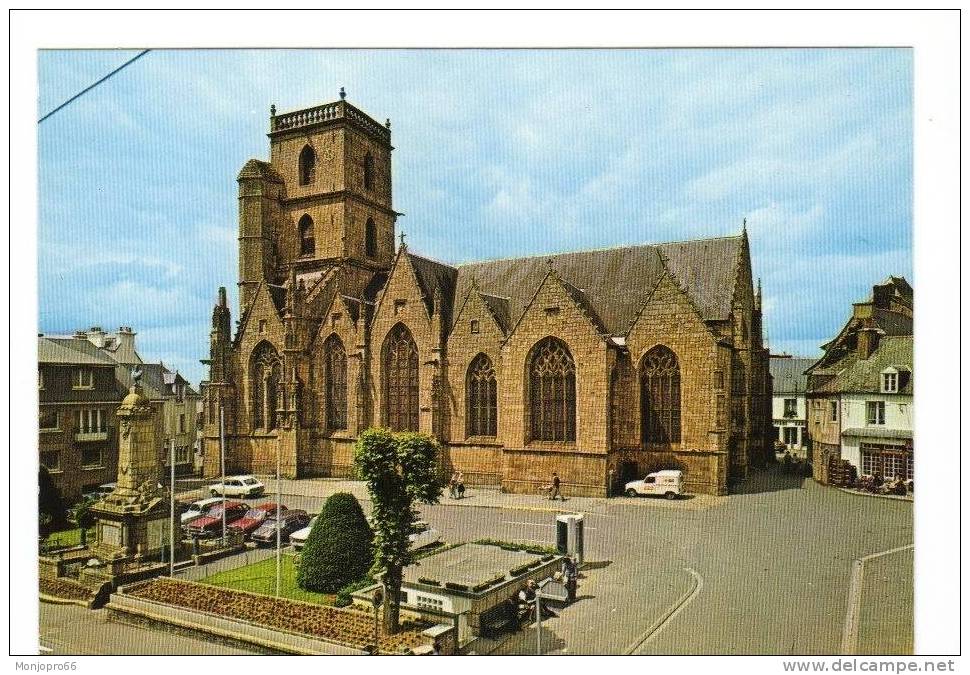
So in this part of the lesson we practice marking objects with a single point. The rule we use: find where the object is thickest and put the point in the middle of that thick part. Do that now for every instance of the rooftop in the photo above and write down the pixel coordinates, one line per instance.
(329, 113)
(469, 565)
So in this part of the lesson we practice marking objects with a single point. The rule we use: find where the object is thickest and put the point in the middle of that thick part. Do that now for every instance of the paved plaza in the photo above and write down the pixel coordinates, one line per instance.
(766, 570)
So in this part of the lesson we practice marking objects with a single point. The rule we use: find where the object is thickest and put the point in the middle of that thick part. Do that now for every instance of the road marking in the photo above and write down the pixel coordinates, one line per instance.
(45, 649)
(669, 615)
(853, 610)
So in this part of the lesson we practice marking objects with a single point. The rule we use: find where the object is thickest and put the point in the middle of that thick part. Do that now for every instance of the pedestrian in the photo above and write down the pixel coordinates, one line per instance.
(436, 649)
(554, 490)
(570, 572)
(460, 485)
(453, 485)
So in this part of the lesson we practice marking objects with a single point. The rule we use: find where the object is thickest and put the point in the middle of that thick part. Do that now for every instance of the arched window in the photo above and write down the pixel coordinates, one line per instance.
(307, 243)
(335, 382)
(265, 368)
(368, 171)
(482, 398)
(400, 358)
(552, 392)
(660, 397)
(370, 236)
(308, 164)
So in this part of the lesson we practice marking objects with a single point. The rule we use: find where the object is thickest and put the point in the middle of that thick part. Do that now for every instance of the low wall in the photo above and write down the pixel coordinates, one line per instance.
(224, 627)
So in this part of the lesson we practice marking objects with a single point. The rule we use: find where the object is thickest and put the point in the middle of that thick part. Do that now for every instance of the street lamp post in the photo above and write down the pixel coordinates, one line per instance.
(171, 524)
(542, 585)
(222, 467)
(279, 525)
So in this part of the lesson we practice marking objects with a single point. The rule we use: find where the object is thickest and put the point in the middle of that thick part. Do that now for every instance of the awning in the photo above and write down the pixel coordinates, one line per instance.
(876, 432)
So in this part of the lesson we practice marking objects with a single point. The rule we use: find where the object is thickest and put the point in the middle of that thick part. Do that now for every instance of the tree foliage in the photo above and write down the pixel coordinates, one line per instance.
(400, 470)
(338, 550)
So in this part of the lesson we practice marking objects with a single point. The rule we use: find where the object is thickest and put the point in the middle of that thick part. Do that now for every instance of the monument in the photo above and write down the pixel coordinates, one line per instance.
(133, 520)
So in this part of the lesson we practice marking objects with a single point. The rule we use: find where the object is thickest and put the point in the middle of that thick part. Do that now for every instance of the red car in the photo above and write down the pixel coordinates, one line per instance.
(210, 525)
(255, 516)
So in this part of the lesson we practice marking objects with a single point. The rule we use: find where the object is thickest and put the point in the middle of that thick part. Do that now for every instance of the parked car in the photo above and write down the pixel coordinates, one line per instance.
(238, 486)
(210, 525)
(199, 508)
(255, 517)
(669, 483)
(291, 521)
(298, 538)
(423, 535)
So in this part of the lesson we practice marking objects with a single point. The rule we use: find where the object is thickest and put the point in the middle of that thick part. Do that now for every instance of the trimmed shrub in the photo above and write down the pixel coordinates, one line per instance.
(52, 514)
(338, 550)
(343, 595)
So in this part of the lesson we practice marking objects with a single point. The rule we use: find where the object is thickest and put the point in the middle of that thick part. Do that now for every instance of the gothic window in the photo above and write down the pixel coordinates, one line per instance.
(335, 382)
(552, 392)
(307, 242)
(400, 358)
(370, 245)
(482, 398)
(368, 171)
(660, 396)
(308, 163)
(264, 383)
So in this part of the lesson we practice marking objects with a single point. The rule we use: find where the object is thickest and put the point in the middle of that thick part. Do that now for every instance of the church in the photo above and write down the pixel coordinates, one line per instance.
(597, 365)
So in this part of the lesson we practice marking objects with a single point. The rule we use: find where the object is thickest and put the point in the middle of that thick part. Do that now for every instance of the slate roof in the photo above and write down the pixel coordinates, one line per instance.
(614, 282)
(156, 380)
(435, 276)
(857, 375)
(499, 308)
(70, 351)
(788, 375)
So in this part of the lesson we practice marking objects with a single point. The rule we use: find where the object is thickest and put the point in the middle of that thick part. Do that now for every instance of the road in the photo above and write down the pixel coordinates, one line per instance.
(765, 571)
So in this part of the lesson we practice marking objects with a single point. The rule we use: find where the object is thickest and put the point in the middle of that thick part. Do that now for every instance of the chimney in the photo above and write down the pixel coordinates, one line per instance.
(96, 336)
(867, 339)
(126, 345)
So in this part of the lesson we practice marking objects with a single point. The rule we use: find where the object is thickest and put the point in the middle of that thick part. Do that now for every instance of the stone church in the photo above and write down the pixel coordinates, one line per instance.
(598, 365)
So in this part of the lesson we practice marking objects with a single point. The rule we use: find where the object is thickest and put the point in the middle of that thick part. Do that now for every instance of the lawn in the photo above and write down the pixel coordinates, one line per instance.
(260, 578)
(70, 537)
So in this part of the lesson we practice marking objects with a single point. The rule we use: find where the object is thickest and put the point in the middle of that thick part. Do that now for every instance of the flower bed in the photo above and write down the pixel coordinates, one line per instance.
(339, 625)
(65, 588)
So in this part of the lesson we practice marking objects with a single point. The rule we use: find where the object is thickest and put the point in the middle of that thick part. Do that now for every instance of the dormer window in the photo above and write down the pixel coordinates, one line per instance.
(890, 381)
(83, 378)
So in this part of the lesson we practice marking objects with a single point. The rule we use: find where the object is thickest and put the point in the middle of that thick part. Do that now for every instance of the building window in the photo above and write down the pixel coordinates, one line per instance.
(400, 358)
(307, 243)
(875, 412)
(48, 420)
(370, 239)
(719, 379)
(791, 436)
(660, 396)
(40, 379)
(181, 423)
(368, 171)
(264, 379)
(91, 458)
(552, 392)
(90, 421)
(51, 459)
(335, 382)
(399, 306)
(83, 378)
(181, 454)
(890, 383)
(308, 164)
(791, 407)
(482, 398)
(886, 461)
(834, 411)
(474, 326)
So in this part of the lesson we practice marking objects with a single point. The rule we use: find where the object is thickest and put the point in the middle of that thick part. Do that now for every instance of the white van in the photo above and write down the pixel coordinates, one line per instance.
(669, 483)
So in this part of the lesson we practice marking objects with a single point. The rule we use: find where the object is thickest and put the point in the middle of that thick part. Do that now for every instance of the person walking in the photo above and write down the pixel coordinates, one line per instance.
(460, 485)
(570, 573)
(554, 491)
(453, 485)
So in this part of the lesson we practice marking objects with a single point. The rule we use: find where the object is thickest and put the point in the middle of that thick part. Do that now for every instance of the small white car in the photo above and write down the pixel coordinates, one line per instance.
(298, 538)
(669, 483)
(423, 535)
(199, 508)
(237, 486)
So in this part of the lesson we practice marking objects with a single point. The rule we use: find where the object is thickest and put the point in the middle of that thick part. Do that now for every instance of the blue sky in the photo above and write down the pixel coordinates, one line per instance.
(498, 154)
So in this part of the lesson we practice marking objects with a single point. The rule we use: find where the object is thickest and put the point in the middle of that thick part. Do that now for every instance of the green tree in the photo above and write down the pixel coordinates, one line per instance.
(400, 470)
(51, 506)
(338, 550)
(82, 518)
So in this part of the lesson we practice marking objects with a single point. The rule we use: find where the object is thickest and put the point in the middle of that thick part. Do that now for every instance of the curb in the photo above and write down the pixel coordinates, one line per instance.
(54, 600)
(853, 611)
(857, 493)
(669, 614)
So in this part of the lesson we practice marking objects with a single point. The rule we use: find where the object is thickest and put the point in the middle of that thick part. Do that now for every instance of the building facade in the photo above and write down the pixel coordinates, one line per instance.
(861, 391)
(597, 365)
(789, 410)
(82, 379)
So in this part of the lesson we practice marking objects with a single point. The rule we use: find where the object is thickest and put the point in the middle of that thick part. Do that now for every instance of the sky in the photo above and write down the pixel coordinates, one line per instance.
(498, 153)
